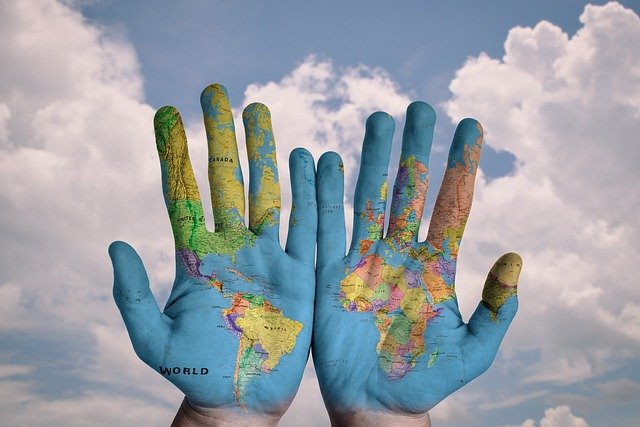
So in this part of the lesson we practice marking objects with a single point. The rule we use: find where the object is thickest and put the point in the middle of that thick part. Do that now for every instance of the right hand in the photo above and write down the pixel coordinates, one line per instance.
(388, 337)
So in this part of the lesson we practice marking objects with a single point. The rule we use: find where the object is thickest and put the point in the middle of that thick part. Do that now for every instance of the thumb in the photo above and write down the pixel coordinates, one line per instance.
(497, 309)
(148, 328)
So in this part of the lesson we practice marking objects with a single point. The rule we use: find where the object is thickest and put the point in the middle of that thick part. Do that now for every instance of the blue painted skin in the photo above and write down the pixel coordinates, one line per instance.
(191, 332)
(344, 342)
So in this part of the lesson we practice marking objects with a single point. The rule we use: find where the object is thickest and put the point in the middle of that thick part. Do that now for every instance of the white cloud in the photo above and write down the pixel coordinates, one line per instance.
(527, 423)
(5, 115)
(619, 390)
(7, 370)
(560, 416)
(510, 401)
(452, 410)
(78, 169)
(568, 109)
(322, 108)
(22, 405)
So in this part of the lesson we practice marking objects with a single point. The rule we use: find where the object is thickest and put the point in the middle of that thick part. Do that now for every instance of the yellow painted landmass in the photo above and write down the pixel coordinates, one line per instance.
(227, 192)
(275, 333)
(383, 191)
(502, 282)
(266, 203)
(264, 199)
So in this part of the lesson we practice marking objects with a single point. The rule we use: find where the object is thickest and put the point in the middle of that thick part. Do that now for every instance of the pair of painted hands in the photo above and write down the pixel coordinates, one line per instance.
(382, 322)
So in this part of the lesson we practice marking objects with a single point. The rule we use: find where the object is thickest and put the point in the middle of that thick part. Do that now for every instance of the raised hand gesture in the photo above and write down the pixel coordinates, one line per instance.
(234, 335)
(389, 342)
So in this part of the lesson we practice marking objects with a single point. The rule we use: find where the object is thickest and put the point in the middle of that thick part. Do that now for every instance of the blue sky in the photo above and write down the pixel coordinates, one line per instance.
(184, 46)
(559, 101)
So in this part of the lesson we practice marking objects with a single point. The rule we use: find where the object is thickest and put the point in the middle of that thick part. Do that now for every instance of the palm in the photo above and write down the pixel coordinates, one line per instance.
(239, 330)
(236, 328)
(388, 334)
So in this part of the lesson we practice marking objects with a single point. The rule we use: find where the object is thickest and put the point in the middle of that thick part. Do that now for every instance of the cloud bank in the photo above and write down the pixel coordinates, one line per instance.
(78, 169)
(568, 109)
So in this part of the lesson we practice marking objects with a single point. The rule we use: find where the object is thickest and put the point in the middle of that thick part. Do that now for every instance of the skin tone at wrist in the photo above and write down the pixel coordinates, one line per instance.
(373, 419)
(192, 416)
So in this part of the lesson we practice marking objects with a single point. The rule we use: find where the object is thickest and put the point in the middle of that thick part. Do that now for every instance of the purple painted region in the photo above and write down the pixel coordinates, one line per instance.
(437, 311)
(263, 356)
(232, 326)
(377, 305)
(352, 306)
(257, 347)
(401, 180)
(399, 370)
(191, 262)
(405, 349)
(360, 263)
(412, 278)
(447, 270)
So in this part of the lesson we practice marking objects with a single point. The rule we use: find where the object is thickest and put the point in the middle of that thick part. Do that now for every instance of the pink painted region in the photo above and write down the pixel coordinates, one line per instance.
(433, 267)
(431, 314)
(395, 297)
(405, 348)
(371, 271)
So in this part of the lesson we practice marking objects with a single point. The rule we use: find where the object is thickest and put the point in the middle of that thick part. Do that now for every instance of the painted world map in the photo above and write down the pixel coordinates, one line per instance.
(263, 332)
(401, 283)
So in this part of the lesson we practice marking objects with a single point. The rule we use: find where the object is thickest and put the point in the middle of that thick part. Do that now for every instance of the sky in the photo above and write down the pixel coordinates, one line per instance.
(556, 86)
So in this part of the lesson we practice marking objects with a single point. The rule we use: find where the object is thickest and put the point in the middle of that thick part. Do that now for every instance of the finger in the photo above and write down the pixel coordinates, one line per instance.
(179, 186)
(147, 327)
(330, 193)
(370, 198)
(225, 174)
(303, 221)
(498, 307)
(264, 189)
(456, 193)
(412, 181)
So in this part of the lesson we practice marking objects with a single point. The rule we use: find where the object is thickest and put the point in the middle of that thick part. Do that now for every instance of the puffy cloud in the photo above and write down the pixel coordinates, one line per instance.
(21, 404)
(619, 390)
(560, 416)
(508, 402)
(567, 108)
(527, 423)
(323, 108)
(78, 169)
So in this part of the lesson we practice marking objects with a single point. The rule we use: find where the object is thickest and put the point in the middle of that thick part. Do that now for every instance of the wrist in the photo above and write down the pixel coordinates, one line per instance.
(378, 418)
(194, 416)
